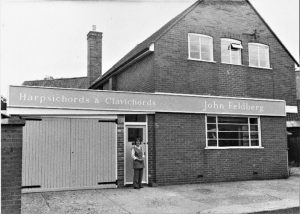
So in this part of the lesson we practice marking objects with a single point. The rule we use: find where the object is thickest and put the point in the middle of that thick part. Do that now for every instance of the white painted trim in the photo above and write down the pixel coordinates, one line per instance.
(201, 60)
(252, 66)
(291, 109)
(136, 125)
(238, 147)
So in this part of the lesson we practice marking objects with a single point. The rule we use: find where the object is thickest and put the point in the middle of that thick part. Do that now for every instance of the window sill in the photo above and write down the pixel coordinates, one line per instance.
(260, 67)
(200, 60)
(232, 64)
(236, 147)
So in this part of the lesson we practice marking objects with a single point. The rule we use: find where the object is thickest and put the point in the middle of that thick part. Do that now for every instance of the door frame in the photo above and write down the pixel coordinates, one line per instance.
(136, 124)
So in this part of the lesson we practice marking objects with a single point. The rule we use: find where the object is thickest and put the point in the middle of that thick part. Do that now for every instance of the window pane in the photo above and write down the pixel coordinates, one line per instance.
(206, 46)
(253, 55)
(212, 143)
(225, 52)
(253, 120)
(254, 135)
(211, 135)
(211, 127)
(264, 56)
(254, 127)
(194, 46)
(135, 118)
(195, 55)
(233, 120)
(223, 143)
(233, 135)
(211, 119)
(232, 127)
(236, 56)
(254, 143)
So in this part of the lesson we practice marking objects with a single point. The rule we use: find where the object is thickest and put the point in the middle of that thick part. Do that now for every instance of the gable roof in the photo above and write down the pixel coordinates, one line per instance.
(296, 62)
(144, 46)
(75, 82)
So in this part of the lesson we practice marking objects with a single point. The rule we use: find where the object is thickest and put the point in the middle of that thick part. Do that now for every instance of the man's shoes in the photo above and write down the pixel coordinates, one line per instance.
(135, 187)
(141, 187)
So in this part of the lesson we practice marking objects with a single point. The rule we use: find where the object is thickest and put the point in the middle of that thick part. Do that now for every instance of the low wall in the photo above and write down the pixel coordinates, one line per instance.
(11, 165)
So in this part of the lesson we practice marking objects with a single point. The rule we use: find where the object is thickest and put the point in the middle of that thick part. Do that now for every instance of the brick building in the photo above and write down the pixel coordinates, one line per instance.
(223, 54)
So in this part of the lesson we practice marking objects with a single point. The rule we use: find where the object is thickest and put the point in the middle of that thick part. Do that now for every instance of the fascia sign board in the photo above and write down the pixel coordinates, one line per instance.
(77, 99)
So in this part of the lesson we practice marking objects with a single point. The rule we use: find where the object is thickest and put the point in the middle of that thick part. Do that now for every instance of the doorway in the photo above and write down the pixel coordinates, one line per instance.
(132, 133)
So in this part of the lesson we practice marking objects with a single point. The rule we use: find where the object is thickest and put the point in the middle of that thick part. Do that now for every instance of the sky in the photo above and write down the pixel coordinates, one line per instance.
(40, 38)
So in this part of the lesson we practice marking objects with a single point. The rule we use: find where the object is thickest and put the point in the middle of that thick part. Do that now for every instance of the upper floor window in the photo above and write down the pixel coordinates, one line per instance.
(231, 51)
(200, 47)
(259, 55)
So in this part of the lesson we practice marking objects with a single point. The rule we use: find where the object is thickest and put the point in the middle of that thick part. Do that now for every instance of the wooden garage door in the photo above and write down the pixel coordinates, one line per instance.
(65, 153)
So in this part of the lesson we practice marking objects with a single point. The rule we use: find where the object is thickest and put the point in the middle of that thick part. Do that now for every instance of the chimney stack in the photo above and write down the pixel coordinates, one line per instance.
(94, 40)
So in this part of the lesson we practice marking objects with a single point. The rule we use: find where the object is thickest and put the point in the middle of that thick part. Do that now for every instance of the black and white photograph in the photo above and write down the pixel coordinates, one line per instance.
(150, 106)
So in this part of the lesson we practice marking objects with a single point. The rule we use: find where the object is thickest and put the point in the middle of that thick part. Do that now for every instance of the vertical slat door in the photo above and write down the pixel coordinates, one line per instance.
(46, 154)
(65, 153)
(93, 153)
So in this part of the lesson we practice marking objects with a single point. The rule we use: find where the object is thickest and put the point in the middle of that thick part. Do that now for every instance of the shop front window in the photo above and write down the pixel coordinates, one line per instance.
(226, 131)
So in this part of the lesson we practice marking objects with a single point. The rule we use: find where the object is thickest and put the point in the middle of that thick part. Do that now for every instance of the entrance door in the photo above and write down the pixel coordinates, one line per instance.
(132, 133)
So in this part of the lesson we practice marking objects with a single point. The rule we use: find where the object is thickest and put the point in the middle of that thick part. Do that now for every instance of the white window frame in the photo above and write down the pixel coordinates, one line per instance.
(211, 47)
(234, 147)
(258, 45)
(236, 42)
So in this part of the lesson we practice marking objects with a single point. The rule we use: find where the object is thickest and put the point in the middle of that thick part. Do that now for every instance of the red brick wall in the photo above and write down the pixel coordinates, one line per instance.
(138, 77)
(11, 166)
(223, 19)
(151, 150)
(120, 150)
(181, 156)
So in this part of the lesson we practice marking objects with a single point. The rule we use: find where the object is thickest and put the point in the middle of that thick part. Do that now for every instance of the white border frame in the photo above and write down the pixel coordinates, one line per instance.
(145, 126)
(259, 45)
(230, 51)
(211, 47)
(233, 147)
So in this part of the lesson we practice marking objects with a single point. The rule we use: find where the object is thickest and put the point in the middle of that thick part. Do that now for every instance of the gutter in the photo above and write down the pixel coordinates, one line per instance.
(123, 66)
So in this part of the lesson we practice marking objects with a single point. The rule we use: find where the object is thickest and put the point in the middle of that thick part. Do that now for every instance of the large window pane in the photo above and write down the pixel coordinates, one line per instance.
(233, 120)
(233, 127)
(233, 135)
(230, 143)
(232, 131)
